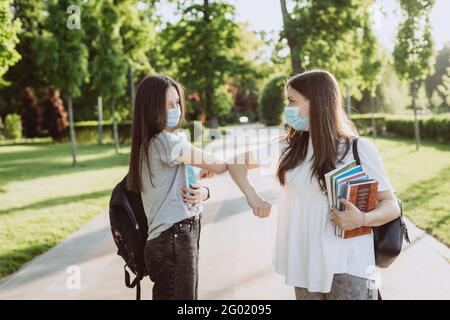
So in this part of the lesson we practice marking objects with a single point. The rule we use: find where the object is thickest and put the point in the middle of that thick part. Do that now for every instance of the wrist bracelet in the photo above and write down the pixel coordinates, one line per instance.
(208, 194)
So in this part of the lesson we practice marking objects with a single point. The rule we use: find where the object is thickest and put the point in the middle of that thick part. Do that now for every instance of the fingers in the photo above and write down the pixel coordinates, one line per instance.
(207, 174)
(335, 216)
(191, 196)
(266, 210)
(262, 211)
(195, 191)
(346, 203)
(188, 196)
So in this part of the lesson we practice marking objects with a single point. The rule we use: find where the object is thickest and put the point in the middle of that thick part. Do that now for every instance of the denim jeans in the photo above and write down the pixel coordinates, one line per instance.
(171, 260)
(343, 287)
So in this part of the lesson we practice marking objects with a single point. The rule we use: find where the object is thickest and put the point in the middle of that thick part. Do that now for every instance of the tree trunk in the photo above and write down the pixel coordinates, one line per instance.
(73, 142)
(209, 90)
(115, 131)
(416, 121)
(292, 43)
(348, 105)
(131, 84)
(213, 122)
(100, 120)
(372, 109)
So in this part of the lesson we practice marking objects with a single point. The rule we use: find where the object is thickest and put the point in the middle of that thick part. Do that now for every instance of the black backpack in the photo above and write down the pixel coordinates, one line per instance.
(129, 230)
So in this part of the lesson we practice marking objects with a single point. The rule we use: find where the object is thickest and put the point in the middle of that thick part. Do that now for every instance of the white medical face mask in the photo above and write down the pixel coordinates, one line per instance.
(292, 117)
(173, 117)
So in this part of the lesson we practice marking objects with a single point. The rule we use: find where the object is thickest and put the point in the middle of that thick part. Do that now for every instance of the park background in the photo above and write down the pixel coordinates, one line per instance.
(68, 72)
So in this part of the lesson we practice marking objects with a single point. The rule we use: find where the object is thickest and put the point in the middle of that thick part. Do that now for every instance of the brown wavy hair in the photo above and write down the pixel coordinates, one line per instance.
(328, 126)
(149, 119)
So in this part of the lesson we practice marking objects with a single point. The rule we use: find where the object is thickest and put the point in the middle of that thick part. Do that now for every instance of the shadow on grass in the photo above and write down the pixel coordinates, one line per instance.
(411, 142)
(45, 150)
(423, 193)
(55, 260)
(51, 160)
(59, 201)
(14, 259)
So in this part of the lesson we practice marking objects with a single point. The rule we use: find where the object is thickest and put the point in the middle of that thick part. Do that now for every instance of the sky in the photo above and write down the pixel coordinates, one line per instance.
(266, 15)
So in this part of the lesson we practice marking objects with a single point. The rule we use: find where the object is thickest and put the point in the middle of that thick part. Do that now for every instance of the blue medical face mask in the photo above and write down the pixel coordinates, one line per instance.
(173, 117)
(292, 117)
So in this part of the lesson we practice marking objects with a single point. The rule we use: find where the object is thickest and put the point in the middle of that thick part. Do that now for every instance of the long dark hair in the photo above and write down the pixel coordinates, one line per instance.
(328, 126)
(149, 119)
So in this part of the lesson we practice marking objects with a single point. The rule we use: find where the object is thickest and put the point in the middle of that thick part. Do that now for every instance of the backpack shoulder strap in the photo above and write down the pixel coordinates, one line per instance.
(136, 283)
(355, 151)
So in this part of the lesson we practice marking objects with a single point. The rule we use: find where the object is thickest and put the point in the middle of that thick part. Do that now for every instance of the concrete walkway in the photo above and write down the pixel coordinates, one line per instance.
(235, 258)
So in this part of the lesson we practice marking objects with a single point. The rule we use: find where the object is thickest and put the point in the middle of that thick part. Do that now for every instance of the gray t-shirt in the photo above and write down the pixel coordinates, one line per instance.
(163, 203)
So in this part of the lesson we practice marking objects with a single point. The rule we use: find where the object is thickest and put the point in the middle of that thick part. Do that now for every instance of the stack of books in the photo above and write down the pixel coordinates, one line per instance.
(349, 181)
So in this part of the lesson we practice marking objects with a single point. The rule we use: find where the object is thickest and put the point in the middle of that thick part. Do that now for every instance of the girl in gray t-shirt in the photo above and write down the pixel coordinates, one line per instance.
(157, 170)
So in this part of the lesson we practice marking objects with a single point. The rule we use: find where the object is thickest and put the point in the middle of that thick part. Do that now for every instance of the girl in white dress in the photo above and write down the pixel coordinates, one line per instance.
(317, 263)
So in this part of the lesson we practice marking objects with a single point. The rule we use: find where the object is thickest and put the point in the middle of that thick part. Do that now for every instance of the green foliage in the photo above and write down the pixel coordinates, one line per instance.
(333, 35)
(371, 60)
(423, 103)
(87, 132)
(431, 127)
(138, 34)
(9, 31)
(272, 101)
(25, 73)
(200, 49)
(63, 55)
(222, 100)
(109, 65)
(391, 94)
(444, 87)
(440, 69)
(434, 128)
(13, 126)
(414, 49)
(363, 123)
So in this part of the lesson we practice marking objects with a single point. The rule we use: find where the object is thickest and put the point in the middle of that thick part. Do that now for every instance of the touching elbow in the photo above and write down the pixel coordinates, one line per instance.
(398, 209)
(395, 211)
(222, 169)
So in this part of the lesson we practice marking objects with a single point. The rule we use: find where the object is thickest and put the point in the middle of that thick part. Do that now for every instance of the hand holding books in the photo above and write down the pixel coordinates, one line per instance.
(349, 219)
(350, 182)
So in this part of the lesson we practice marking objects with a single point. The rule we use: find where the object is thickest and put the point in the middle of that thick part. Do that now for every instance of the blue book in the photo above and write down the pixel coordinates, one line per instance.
(190, 175)
(341, 189)
(190, 180)
(350, 172)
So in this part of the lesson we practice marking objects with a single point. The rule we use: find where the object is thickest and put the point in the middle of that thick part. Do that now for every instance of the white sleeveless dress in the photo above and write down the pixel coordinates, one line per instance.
(307, 251)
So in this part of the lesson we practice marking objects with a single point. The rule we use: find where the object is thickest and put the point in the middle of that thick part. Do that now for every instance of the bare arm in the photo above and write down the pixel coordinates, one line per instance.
(203, 159)
(386, 210)
(238, 168)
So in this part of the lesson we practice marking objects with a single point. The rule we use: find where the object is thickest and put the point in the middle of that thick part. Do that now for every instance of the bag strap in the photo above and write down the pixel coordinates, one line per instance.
(358, 162)
(136, 283)
(138, 290)
(355, 151)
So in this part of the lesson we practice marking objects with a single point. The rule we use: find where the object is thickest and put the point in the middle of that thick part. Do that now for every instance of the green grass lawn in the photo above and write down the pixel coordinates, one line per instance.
(43, 198)
(422, 181)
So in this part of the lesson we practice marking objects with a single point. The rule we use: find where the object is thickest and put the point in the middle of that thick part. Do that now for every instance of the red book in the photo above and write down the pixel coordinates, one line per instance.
(363, 194)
